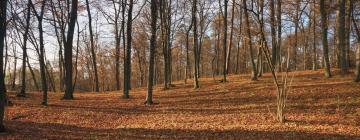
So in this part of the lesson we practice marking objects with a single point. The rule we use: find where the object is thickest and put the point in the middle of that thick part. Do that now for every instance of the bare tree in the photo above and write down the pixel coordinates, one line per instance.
(357, 31)
(127, 65)
(68, 51)
(225, 13)
(324, 28)
(92, 46)
(249, 42)
(195, 41)
(41, 50)
(152, 51)
(3, 5)
(273, 32)
(24, 48)
(341, 35)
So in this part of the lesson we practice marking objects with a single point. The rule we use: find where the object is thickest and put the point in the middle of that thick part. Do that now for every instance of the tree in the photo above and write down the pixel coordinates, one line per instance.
(313, 21)
(341, 36)
(92, 46)
(24, 57)
(113, 19)
(357, 31)
(279, 26)
(3, 5)
(127, 64)
(165, 7)
(195, 41)
(68, 51)
(273, 32)
(225, 13)
(231, 37)
(152, 51)
(324, 28)
(249, 42)
(41, 51)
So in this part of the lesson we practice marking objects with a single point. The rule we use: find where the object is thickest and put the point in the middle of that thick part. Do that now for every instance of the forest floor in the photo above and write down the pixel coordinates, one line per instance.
(317, 108)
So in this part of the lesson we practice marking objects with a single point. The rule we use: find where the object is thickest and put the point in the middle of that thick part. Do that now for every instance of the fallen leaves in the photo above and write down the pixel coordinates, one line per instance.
(317, 108)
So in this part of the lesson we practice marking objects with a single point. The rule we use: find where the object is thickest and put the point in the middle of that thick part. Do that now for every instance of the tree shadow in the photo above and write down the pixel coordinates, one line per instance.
(31, 130)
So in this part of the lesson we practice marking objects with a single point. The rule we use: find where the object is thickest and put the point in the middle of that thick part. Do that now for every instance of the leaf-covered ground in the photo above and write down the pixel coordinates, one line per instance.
(318, 108)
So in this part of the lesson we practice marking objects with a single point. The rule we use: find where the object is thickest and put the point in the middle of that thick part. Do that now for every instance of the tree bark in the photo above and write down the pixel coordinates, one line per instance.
(152, 52)
(127, 66)
(23, 71)
(3, 5)
(194, 20)
(357, 31)
(324, 28)
(92, 46)
(225, 39)
(41, 52)
(341, 36)
(231, 37)
(68, 52)
(273, 32)
(279, 26)
(249, 42)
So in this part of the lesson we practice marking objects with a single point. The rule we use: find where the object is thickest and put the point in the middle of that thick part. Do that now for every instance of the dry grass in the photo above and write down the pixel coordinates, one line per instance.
(318, 108)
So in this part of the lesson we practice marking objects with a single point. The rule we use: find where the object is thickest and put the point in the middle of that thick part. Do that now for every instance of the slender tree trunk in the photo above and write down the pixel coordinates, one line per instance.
(296, 22)
(231, 37)
(23, 71)
(13, 82)
(249, 42)
(127, 67)
(152, 52)
(32, 74)
(187, 67)
(41, 51)
(279, 26)
(92, 46)
(194, 20)
(348, 12)
(225, 39)
(273, 32)
(68, 51)
(314, 56)
(324, 28)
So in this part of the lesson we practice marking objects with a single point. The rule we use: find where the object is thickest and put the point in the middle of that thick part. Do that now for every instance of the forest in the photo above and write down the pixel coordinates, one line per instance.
(179, 69)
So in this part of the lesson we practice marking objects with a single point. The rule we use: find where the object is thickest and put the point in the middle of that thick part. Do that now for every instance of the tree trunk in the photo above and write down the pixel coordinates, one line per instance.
(13, 82)
(152, 52)
(68, 51)
(273, 32)
(249, 42)
(23, 71)
(225, 38)
(314, 56)
(279, 26)
(41, 52)
(3, 5)
(92, 46)
(296, 22)
(187, 67)
(357, 31)
(341, 36)
(324, 28)
(32, 74)
(194, 20)
(127, 66)
(231, 37)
